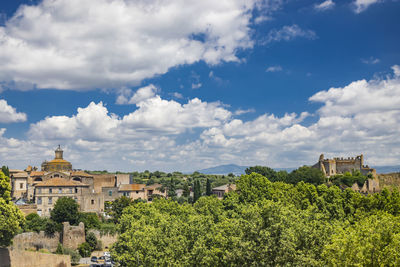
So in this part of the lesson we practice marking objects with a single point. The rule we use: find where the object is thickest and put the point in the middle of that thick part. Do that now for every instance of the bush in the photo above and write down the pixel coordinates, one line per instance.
(50, 227)
(85, 250)
(75, 257)
(60, 249)
(91, 220)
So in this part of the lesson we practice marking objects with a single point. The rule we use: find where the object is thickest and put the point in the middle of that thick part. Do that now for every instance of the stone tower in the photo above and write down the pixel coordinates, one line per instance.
(59, 153)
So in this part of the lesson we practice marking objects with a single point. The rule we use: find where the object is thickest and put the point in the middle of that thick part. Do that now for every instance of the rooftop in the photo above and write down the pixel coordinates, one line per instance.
(225, 187)
(131, 187)
(59, 182)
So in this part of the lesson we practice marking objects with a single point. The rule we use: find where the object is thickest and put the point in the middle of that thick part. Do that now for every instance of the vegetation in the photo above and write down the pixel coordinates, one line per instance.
(266, 224)
(11, 218)
(65, 210)
(85, 250)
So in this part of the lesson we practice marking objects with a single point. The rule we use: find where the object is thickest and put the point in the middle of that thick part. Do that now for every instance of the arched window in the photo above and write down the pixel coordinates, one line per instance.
(77, 179)
(38, 179)
(56, 175)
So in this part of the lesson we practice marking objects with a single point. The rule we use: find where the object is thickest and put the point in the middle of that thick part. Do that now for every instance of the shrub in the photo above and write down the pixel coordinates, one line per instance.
(75, 257)
(85, 250)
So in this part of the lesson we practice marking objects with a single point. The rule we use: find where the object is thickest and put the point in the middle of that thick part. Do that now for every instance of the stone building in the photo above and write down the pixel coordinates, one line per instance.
(335, 166)
(19, 183)
(141, 191)
(220, 191)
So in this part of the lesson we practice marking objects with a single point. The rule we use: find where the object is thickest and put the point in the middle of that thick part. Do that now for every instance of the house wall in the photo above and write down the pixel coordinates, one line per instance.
(20, 258)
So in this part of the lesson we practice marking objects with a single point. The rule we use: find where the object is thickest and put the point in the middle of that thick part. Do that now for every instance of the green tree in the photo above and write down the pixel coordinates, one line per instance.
(307, 174)
(197, 191)
(91, 239)
(208, 187)
(90, 219)
(186, 190)
(85, 250)
(65, 210)
(264, 171)
(171, 188)
(11, 218)
(118, 206)
(34, 223)
(5, 170)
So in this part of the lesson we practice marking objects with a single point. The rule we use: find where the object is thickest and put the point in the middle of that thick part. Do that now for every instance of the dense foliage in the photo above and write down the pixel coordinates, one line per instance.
(266, 224)
(11, 218)
(65, 210)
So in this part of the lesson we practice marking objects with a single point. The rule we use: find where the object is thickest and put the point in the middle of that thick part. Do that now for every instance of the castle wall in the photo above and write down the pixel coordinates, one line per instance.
(33, 240)
(73, 236)
(107, 240)
(20, 258)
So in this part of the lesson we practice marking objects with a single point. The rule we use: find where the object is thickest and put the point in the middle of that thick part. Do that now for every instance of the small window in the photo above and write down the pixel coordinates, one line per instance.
(21, 186)
(76, 190)
(39, 200)
(110, 193)
(50, 190)
(137, 192)
(71, 190)
(60, 190)
(50, 200)
(92, 201)
(39, 190)
(56, 175)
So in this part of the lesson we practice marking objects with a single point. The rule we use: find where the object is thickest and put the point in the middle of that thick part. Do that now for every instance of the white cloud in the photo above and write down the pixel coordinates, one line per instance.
(9, 114)
(326, 5)
(288, 33)
(362, 5)
(370, 61)
(196, 85)
(72, 44)
(361, 117)
(274, 69)
(126, 96)
(244, 111)
(178, 95)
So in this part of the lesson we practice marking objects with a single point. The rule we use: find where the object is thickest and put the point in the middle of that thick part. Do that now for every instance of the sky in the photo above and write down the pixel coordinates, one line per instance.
(181, 85)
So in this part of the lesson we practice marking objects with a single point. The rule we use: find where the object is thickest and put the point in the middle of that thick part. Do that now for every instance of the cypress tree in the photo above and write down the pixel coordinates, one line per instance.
(208, 188)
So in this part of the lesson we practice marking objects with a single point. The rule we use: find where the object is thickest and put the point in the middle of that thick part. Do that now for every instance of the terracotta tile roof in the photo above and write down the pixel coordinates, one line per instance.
(81, 174)
(60, 182)
(230, 187)
(131, 187)
(20, 175)
(36, 173)
(153, 186)
(15, 171)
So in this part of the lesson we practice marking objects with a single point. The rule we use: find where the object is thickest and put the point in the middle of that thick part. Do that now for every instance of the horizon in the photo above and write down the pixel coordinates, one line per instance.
(177, 85)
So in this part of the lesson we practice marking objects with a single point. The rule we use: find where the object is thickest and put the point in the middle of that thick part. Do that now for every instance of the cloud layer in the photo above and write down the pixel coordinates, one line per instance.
(362, 117)
(9, 114)
(72, 44)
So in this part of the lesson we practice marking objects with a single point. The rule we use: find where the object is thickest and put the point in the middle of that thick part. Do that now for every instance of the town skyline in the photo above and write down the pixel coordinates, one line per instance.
(171, 88)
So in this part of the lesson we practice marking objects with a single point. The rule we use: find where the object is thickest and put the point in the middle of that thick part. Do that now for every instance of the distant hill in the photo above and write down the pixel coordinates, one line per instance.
(233, 168)
(387, 169)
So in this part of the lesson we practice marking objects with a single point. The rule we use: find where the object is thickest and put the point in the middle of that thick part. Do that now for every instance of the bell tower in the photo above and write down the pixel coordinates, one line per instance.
(59, 153)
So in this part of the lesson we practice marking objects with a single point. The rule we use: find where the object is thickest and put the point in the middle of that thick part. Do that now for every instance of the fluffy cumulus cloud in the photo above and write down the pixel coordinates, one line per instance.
(9, 114)
(126, 96)
(288, 33)
(361, 117)
(72, 44)
(362, 5)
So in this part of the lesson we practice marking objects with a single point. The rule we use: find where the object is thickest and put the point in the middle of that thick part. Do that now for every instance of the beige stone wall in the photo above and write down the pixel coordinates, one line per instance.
(107, 240)
(73, 236)
(33, 240)
(389, 180)
(28, 208)
(20, 258)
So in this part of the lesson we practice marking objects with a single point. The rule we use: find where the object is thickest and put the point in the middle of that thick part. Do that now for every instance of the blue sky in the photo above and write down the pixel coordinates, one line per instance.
(182, 85)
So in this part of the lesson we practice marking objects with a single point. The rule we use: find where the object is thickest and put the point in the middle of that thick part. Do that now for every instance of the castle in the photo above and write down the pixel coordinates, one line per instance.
(58, 179)
(335, 166)
(331, 167)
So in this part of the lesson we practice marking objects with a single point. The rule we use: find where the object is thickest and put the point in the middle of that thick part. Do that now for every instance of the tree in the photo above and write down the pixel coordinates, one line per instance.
(264, 171)
(91, 239)
(11, 218)
(5, 170)
(197, 191)
(208, 187)
(307, 174)
(118, 206)
(65, 210)
(171, 188)
(90, 219)
(85, 250)
(186, 190)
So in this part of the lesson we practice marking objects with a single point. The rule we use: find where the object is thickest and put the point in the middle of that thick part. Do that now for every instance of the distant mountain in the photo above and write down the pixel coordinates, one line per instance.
(225, 169)
(387, 169)
(233, 168)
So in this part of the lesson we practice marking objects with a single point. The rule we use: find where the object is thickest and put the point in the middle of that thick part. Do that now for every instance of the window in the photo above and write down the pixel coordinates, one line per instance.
(56, 175)
(50, 200)
(59, 190)
(50, 190)
(126, 194)
(150, 192)
(39, 200)
(21, 186)
(137, 192)
(70, 190)
(76, 190)
(110, 193)
(39, 190)
(92, 201)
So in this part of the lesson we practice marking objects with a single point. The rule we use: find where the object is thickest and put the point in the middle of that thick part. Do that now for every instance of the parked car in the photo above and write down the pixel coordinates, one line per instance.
(93, 259)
